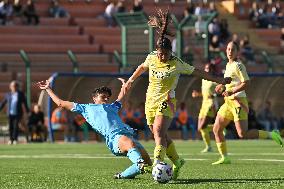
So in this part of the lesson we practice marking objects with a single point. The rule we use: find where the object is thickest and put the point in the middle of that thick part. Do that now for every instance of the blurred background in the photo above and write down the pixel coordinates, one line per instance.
(92, 42)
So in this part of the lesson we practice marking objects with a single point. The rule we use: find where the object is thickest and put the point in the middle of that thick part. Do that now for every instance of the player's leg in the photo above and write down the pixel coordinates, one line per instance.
(171, 151)
(204, 128)
(126, 145)
(241, 123)
(219, 125)
(259, 134)
(174, 157)
(160, 128)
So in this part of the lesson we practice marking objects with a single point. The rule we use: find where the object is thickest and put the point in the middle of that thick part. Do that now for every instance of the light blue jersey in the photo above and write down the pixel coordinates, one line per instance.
(104, 119)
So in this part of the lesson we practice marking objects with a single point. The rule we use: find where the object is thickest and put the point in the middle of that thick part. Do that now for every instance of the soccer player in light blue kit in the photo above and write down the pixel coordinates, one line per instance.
(105, 120)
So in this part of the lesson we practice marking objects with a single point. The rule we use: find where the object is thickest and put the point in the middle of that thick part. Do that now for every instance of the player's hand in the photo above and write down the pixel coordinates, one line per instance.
(194, 94)
(43, 84)
(219, 89)
(128, 84)
(123, 88)
(227, 93)
(122, 81)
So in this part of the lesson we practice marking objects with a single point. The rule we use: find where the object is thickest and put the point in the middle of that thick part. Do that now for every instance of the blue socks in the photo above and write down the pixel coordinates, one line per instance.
(135, 157)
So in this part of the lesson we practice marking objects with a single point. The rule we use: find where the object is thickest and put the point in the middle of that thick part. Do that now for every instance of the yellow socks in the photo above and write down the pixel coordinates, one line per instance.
(172, 153)
(205, 136)
(209, 127)
(159, 153)
(222, 148)
(263, 134)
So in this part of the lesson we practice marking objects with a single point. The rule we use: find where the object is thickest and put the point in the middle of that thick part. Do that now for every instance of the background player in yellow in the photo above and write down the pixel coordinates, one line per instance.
(164, 71)
(235, 107)
(208, 108)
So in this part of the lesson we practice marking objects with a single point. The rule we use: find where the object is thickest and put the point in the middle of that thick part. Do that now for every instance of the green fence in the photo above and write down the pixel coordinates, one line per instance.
(138, 38)
(28, 67)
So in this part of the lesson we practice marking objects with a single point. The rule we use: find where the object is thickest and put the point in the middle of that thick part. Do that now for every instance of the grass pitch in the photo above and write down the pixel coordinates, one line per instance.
(255, 164)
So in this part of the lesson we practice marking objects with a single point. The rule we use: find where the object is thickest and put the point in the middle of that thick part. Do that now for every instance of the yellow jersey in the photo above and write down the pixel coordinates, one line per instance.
(163, 77)
(207, 89)
(237, 71)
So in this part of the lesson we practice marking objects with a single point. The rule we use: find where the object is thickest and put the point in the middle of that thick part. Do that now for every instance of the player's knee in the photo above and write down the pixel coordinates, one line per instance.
(216, 129)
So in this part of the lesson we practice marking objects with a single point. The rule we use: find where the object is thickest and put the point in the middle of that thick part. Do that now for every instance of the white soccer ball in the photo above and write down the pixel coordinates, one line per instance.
(162, 172)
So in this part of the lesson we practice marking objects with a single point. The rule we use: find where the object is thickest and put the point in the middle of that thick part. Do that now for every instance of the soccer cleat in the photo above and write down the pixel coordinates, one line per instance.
(176, 168)
(207, 149)
(275, 135)
(117, 176)
(144, 167)
(222, 160)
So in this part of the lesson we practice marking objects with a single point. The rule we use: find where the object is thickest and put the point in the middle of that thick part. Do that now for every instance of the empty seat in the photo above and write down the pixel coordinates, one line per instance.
(49, 48)
(42, 39)
(98, 22)
(40, 30)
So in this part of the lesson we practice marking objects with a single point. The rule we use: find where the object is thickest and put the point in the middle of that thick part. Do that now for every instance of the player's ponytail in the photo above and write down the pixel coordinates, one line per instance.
(161, 22)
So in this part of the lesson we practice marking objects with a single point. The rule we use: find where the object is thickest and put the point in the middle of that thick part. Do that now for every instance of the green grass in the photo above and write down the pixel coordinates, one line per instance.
(56, 166)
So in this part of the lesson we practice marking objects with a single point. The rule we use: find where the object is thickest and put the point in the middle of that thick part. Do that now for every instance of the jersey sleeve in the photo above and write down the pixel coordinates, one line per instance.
(183, 67)
(242, 72)
(117, 105)
(78, 108)
(147, 61)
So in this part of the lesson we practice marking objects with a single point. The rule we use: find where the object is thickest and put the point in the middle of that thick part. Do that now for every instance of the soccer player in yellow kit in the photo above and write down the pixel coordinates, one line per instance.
(164, 71)
(235, 107)
(208, 109)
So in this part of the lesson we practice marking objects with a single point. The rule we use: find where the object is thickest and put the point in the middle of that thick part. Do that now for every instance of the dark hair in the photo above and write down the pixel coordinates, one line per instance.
(161, 22)
(212, 68)
(101, 90)
(236, 45)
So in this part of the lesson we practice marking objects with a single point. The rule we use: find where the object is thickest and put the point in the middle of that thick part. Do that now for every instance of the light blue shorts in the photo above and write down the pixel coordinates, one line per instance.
(113, 144)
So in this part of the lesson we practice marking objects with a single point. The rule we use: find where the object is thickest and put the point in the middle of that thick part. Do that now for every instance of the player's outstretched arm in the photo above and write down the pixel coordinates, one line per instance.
(123, 90)
(207, 76)
(44, 85)
(140, 70)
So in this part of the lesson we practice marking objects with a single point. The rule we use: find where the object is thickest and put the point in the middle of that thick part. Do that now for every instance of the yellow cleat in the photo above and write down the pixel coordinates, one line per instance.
(176, 168)
(277, 137)
(207, 149)
(222, 160)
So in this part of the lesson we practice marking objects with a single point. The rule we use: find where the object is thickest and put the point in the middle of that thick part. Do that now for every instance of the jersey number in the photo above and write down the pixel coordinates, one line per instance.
(238, 111)
(164, 105)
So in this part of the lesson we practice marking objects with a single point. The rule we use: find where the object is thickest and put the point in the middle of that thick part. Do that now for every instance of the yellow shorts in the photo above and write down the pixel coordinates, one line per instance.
(207, 109)
(234, 109)
(165, 108)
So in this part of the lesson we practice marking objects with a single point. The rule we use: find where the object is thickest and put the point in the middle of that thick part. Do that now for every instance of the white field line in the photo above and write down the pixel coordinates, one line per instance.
(82, 156)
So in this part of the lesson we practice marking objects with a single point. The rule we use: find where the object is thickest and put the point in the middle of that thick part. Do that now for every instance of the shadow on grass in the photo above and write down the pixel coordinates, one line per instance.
(236, 181)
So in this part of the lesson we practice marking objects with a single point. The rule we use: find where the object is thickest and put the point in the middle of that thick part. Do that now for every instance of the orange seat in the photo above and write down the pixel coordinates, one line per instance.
(47, 21)
(103, 39)
(42, 39)
(49, 48)
(93, 30)
(109, 48)
(40, 30)
(90, 22)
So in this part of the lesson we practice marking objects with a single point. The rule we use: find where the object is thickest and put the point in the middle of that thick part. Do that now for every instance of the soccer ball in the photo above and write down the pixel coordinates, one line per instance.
(162, 172)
